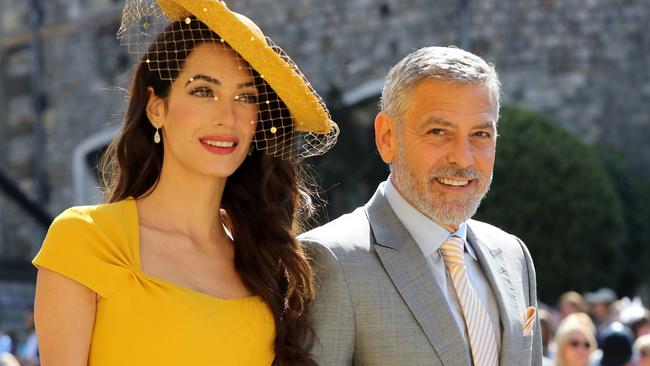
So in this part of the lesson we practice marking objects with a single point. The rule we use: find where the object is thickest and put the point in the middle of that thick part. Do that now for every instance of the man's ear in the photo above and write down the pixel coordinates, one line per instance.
(386, 137)
(155, 109)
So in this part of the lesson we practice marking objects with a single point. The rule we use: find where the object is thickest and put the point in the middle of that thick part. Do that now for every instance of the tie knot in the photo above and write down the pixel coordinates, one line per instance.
(452, 251)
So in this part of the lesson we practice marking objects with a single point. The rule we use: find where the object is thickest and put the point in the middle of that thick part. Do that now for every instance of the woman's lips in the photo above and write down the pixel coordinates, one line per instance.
(219, 145)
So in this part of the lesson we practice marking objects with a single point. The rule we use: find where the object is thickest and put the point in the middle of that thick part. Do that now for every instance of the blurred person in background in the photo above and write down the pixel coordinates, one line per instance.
(600, 306)
(7, 359)
(616, 346)
(574, 340)
(641, 350)
(27, 350)
(6, 347)
(640, 326)
(635, 316)
(585, 319)
(547, 333)
(569, 303)
(6, 343)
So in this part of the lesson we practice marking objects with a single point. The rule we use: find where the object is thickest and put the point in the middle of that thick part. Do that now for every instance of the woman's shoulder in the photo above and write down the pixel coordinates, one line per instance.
(109, 225)
(95, 245)
(113, 213)
(115, 217)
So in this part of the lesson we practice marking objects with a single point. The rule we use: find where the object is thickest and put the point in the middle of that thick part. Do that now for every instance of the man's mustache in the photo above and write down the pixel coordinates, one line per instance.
(468, 173)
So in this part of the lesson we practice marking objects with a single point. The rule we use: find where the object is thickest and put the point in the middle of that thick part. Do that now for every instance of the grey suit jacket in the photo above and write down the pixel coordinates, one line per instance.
(377, 303)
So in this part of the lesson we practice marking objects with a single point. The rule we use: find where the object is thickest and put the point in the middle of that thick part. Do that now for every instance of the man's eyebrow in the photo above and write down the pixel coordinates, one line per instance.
(435, 120)
(487, 124)
(204, 78)
(439, 121)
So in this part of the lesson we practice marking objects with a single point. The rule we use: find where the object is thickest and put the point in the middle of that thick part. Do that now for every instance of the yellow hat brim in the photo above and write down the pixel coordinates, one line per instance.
(307, 110)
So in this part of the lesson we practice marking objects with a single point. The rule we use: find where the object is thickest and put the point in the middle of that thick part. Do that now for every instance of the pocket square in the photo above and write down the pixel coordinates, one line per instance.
(529, 320)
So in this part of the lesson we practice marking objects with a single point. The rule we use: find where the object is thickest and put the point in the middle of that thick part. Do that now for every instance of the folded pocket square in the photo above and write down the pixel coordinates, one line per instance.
(529, 320)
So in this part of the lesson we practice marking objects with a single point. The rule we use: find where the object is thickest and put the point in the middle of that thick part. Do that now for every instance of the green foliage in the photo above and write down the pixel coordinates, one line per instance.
(634, 191)
(350, 172)
(552, 191)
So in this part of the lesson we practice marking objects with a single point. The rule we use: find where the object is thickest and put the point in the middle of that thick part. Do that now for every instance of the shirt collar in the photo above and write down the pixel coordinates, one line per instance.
(428, 234)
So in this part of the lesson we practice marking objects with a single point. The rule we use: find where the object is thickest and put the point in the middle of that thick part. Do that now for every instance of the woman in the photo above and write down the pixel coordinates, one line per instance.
(642, 350)
(574, 340)
(193, 259)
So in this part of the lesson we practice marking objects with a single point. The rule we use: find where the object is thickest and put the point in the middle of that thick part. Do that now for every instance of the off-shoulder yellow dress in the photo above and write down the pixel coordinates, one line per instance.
(142, 320)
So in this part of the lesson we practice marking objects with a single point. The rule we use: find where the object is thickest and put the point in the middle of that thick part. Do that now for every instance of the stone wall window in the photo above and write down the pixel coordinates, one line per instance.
(18, 115)
(13, 18)
(85, 172)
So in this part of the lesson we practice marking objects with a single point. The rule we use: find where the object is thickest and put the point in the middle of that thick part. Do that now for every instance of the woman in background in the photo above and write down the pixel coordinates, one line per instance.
(641, 350)
(574, 340)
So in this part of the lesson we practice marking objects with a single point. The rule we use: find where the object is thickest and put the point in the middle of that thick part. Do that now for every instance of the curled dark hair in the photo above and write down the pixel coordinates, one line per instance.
(262, 200)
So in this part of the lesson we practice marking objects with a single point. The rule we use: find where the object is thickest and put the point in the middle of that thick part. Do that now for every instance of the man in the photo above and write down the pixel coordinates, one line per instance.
(409, 279)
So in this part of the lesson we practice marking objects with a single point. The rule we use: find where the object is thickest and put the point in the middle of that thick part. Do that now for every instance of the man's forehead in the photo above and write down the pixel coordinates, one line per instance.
(452, 97)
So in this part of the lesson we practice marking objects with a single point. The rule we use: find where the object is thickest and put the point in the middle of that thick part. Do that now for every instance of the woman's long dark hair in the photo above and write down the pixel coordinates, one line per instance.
(262, 199)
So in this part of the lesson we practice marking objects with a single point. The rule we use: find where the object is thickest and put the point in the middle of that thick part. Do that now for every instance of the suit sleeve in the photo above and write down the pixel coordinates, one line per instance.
(536, 355)
(332, 311)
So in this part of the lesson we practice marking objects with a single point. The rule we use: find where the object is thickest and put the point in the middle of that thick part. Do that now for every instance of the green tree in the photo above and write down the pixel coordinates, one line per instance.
(552, 191)
(349, 174)
(634, 190)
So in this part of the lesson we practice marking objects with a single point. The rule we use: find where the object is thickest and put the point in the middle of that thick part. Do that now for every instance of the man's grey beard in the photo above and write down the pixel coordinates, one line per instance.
(442, 208)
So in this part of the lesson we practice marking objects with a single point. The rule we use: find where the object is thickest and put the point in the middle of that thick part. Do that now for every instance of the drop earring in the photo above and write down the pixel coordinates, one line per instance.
(156, 136)
(250, 151)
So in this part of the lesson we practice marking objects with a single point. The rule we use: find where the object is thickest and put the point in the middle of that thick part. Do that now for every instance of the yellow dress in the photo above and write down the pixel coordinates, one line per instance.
(142, 320)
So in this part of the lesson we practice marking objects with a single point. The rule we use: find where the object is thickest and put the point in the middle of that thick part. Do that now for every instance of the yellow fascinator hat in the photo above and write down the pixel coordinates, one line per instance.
(310, 130)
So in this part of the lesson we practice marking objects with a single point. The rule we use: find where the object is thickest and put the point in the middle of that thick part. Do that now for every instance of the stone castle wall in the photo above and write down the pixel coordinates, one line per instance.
(585, 63)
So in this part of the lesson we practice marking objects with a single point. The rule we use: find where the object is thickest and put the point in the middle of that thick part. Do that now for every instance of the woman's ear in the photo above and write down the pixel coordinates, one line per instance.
(155, 109)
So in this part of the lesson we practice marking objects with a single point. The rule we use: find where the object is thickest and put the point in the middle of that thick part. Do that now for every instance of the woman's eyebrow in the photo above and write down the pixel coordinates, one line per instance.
(215, 81)
(204, 78)
(245, 85)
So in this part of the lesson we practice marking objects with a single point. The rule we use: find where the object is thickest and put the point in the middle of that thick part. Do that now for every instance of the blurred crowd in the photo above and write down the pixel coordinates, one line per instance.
(597, 329)
(19, 348)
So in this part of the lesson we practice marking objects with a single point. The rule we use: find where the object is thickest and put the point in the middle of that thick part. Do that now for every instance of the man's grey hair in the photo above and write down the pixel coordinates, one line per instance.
(442, 63)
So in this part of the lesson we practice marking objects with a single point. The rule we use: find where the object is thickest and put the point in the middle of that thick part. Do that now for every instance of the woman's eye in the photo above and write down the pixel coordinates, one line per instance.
(202, 92)
(248, 98)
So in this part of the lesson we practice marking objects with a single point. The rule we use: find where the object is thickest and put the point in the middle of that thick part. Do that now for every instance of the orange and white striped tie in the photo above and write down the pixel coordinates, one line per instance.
(479, 327)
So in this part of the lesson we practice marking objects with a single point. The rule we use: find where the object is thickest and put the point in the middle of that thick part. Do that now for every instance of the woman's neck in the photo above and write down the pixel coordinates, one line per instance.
(187, 204)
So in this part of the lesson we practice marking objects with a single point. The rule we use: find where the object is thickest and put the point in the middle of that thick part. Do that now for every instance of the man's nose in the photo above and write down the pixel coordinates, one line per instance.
(460, 153)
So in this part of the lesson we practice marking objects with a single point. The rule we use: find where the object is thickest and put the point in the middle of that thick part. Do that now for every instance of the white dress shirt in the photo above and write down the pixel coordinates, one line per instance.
(430, 236)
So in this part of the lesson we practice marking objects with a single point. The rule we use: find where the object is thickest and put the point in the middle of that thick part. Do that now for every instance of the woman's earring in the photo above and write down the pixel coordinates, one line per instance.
(156, 136)
(250, 151)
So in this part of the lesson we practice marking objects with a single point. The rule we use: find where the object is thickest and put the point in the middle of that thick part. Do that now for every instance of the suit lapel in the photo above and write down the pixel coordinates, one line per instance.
(491, 259)
(407, 268)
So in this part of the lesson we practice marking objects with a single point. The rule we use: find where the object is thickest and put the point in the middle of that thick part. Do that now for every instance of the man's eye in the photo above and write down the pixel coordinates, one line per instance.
(248, 98)
(437, 131)
(202, 92)
(483, 134)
